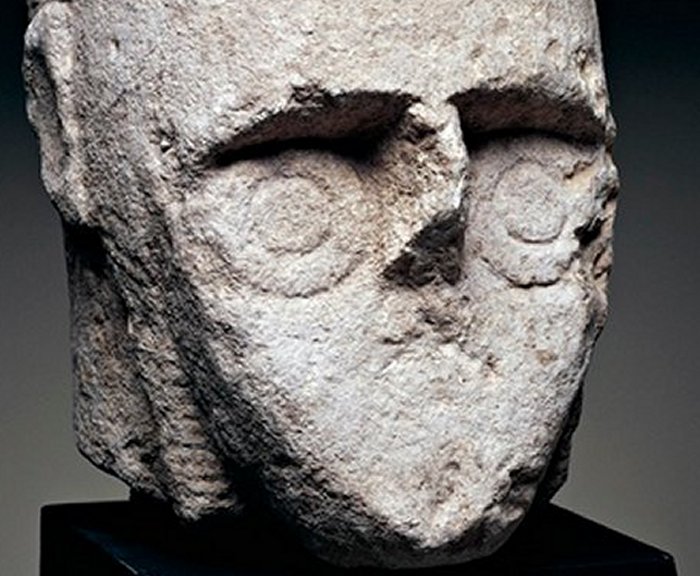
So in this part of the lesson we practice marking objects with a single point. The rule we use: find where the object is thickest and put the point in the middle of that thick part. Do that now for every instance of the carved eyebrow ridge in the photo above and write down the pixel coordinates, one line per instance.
(488, 110)
(307, 121)
(359, 147)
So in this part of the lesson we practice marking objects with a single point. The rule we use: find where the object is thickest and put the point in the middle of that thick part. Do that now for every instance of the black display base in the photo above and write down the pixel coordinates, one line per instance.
(139, 538)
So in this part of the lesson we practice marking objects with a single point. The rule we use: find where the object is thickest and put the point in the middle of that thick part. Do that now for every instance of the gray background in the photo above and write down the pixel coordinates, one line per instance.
(634, 463)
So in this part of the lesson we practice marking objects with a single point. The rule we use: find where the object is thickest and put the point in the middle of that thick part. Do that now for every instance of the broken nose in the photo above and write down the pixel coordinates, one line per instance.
(434, 254)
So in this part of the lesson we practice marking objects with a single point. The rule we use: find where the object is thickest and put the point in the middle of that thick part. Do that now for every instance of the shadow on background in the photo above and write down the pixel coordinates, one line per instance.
(634, 464)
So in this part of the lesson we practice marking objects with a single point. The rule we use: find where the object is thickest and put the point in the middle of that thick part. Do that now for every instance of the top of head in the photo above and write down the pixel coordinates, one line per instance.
(34, 5)
(440, 52)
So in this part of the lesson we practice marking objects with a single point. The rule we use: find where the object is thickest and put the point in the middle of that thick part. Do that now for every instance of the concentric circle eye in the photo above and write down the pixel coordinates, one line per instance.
(529, 201)
(524, 208)
(291, 215)
(294, 224)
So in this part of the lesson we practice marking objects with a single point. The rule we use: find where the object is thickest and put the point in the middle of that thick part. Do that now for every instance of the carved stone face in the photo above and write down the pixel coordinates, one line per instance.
(351, 256)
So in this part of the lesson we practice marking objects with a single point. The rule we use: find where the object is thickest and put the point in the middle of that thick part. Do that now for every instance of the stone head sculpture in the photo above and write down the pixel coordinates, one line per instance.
(351, 257)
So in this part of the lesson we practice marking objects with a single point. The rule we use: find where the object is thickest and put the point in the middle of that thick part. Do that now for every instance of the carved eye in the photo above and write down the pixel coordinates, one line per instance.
(293, 224)
(529, 201)
(523, 209)
(291, 214)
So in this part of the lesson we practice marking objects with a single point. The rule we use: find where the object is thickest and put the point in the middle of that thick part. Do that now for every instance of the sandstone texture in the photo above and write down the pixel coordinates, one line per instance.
(347, 259)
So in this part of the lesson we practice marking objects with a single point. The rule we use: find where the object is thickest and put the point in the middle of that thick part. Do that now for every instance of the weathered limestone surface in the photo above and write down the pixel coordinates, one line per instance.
(349, 256)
